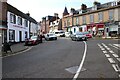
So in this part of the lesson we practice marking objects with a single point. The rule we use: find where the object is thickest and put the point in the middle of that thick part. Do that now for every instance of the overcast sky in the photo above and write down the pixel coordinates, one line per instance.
(42, 8)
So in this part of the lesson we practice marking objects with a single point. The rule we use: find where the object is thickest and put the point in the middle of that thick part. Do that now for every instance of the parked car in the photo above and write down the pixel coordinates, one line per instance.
(88, 35)
(78, 36)
(33, 40)
(50, 36)
(60, 33)
(67, 34)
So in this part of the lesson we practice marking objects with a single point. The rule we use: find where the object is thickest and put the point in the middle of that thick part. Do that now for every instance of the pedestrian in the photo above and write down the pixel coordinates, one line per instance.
(6, 47)
(40, 38)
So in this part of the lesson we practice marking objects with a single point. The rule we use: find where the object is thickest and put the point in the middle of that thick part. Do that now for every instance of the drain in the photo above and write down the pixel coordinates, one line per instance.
(74, 69)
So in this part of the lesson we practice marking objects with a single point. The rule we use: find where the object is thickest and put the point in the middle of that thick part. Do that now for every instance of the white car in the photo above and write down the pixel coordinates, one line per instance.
(60, 33)
(50, 36)
(67, 34)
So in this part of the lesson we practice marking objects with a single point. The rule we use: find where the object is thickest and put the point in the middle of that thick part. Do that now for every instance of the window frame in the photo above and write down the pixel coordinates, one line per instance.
(19, 21)
(111, 14)
(84, 19)
(91, 18)
(12, 18)
(100, 16)
(25, 22)
(11, 35)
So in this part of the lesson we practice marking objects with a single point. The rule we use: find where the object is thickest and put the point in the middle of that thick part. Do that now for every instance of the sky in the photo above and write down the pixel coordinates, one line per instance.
(42, 8)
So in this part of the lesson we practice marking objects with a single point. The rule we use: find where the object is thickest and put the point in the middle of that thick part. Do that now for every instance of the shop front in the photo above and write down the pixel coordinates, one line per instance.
(97, 29)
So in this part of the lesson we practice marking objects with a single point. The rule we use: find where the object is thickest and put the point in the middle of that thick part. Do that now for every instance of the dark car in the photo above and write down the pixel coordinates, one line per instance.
(33, 40)
(78, 36)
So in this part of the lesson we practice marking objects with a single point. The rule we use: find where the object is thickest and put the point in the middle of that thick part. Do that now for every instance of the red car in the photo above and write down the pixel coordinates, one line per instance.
(33, 40)
(88, 35)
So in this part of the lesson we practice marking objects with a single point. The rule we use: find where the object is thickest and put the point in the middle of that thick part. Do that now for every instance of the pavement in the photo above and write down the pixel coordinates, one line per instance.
(18, 47)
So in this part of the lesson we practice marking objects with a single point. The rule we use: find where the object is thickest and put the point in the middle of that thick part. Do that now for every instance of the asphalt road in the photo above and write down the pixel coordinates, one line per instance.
(52, 59)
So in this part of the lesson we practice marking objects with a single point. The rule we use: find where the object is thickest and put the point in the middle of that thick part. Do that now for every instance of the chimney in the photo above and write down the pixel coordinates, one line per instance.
(28, 14)
(83, 7)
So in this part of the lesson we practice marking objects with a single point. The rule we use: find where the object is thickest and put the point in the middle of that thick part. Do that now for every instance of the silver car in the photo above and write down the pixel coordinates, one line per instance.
(50, 36)
(79, 36)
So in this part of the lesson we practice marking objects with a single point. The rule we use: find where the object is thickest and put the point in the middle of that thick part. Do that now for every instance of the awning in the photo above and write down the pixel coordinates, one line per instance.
(2, 27)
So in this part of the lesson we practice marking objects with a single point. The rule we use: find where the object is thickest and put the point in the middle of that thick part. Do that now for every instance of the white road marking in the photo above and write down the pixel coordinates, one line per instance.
(116, 67)
(111, 60)
(118, 59)
(106, 46)
(114, 46)
(107, 55)
(111, 51)
(118, 45)
(81, 64)
(104, 51)
(115, 55)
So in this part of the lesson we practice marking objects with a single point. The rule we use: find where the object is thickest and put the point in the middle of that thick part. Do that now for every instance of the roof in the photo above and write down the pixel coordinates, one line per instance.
(19, 13)
(65, 11)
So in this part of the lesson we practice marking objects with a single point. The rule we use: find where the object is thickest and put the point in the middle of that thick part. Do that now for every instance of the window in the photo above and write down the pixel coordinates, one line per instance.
(19, 21)
(111, 14)
(91, 18)
(11, 34)
(12, 18)
(77, 20)
(68, 22)
(100, 14)
(84, 19)
(26, 23)
(65, 23)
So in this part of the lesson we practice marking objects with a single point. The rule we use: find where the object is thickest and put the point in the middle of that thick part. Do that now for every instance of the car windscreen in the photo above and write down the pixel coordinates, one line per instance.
(51, 34)
(85, 32)
(79, 33)
(33, 38)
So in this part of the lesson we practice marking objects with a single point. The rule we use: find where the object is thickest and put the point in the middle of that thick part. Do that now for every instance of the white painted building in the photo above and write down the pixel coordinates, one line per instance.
(19, 25)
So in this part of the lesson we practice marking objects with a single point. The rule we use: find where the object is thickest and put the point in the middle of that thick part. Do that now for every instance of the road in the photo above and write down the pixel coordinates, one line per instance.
(63, 57)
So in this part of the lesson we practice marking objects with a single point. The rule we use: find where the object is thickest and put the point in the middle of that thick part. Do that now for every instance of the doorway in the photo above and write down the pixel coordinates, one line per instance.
(20, 36)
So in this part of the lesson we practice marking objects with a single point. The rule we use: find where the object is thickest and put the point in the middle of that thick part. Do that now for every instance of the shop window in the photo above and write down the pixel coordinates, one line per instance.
(11, 35)
(12, 18)
(19, 21)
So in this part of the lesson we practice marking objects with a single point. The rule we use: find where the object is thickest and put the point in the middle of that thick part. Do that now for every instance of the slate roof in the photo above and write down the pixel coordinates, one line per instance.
(65, 11)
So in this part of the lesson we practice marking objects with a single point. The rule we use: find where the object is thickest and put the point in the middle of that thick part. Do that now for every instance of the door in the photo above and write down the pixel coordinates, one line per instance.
(20, 36)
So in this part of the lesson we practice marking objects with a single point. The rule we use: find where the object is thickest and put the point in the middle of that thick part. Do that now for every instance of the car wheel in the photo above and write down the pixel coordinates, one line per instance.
(85, 39)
